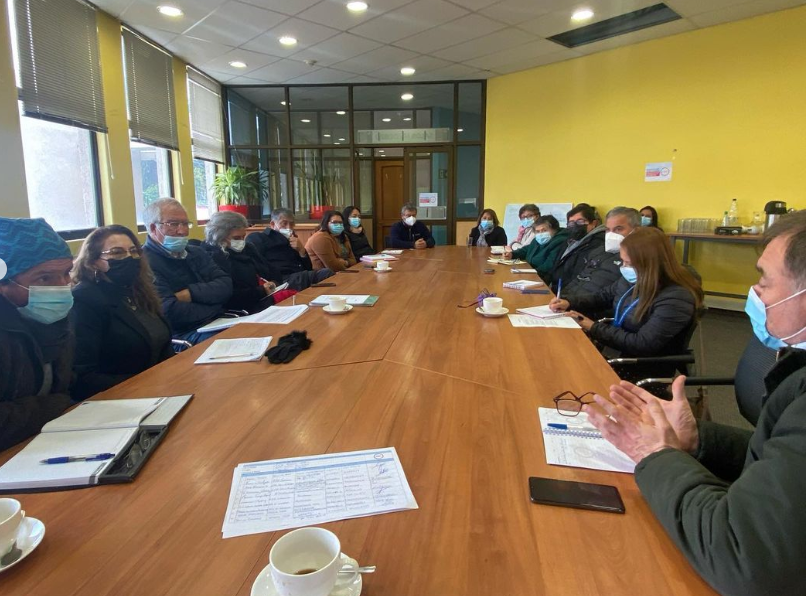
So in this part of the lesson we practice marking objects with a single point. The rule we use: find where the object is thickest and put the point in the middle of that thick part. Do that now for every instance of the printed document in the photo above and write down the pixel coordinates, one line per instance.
(579, 449)
(543, 312)
(555, 323)
(303, 491)
(278, 315)
(245, 349)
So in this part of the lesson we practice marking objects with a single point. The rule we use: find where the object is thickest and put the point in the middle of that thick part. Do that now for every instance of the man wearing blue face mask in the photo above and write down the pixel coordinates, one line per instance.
(732, 499)
(192, 287)
(36, 351)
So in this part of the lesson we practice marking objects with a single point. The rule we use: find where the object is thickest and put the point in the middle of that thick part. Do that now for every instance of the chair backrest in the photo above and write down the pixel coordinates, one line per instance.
(756, 361)
(387, 242)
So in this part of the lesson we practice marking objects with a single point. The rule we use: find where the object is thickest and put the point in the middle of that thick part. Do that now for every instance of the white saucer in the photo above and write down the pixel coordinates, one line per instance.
(264, 586)
(498, 313)
(29, 535)
(330, 311)
(382, 270)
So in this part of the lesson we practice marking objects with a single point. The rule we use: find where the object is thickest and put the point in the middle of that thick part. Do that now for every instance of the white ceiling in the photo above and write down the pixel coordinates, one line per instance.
(442, 39)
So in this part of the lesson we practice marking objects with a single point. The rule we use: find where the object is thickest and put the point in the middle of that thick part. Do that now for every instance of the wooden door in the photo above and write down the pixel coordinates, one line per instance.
(389, 197)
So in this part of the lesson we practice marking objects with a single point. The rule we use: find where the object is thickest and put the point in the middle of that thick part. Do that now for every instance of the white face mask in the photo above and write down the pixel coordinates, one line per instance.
(237, 245)
(613, 241)
(410, 220)
(801, 345)
(287, 232)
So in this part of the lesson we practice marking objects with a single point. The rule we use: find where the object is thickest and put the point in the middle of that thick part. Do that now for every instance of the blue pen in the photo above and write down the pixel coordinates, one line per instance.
(65, 459)
(559, 287)
(585, 427)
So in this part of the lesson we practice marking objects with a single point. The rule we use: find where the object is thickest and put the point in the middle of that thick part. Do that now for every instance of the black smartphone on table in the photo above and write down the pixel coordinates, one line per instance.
(579, 495)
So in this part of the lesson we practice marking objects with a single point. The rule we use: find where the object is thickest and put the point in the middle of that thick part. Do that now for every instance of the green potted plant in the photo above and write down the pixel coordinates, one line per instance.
(238, 189)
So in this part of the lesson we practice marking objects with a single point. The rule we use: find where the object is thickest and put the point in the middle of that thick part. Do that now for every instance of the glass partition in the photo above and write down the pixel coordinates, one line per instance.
(319, 115)
(322, 181)
(273, 168)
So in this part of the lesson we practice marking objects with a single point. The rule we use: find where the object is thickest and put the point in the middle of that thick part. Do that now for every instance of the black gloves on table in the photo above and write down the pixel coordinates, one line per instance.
(289, 347)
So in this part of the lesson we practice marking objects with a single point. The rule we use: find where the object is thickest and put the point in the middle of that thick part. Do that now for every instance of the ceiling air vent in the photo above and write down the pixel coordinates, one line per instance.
(626, 23)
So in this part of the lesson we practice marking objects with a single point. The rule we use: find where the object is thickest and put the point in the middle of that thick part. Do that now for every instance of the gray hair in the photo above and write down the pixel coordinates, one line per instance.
(221, 225)
(408, 207)
(792, 227)
(633, 216)
(281, 213)
(152, 213)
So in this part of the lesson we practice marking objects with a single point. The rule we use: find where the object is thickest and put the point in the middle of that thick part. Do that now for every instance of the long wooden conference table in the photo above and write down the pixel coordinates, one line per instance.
(455, 393)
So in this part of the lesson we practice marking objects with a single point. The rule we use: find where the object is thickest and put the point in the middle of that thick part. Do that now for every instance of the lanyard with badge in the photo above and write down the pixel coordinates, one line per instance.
(618, 320)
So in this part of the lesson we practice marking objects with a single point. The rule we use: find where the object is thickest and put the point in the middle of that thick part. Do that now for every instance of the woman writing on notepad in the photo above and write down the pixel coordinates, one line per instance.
(547, 245)
(655, 302)
(329, 247)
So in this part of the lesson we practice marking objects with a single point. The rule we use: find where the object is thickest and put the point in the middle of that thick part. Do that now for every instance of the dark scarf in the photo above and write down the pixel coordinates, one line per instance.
(51, 339)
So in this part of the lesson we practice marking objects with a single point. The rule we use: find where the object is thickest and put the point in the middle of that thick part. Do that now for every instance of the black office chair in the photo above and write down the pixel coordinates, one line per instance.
(748, 381)
(180, 345)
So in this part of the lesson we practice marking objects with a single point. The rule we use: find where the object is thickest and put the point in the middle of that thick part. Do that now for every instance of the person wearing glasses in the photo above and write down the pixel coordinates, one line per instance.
(36, 352)
(542, 252)
(329, 247)
(192, 288)
(117, 316)
(527, 216)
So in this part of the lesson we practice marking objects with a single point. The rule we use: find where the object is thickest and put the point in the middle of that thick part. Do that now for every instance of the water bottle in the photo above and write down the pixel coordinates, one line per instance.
(726, 219)
(733, 214)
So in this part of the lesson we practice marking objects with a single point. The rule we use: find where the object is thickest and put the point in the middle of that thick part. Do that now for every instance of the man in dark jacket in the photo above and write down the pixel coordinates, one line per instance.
(585, 236)
(282, 250)
(731, 499)
(410, 233)
(192, 288)
(35, 341)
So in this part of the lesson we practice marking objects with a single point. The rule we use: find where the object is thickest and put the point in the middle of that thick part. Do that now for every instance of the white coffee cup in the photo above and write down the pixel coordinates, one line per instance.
(337, 303)
(11, 516)
(382, 265)
(492, 305)
(303, 550)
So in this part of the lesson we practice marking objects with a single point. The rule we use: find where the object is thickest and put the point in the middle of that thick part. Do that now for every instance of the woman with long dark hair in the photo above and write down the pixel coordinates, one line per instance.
(119, 327)
(354, 229)
(329, 247)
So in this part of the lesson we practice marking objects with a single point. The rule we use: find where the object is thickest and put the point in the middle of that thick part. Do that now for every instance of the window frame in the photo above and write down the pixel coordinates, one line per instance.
(171, 188)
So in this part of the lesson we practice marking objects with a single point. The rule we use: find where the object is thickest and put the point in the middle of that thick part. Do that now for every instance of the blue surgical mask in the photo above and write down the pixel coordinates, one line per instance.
(47, 304)
(527, 222)
(336, 228)
(543, 238)
(757, 312)
(486, 224)
(355, 222)
(175, 243)
(629, 274)
(646, 221)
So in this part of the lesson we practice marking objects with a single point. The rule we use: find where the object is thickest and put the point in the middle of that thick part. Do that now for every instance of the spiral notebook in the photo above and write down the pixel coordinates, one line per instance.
(579, 449)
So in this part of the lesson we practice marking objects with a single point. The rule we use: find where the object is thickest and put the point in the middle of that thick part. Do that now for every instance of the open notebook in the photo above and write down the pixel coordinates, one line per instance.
(92, 427)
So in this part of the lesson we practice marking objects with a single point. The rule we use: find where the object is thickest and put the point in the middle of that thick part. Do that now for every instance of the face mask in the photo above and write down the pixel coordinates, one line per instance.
(629, 274)
(527, 222)
(486, 224)
(287, 232)
(646, 221)
(123, 272)
(577, 232)
(542, 238)
(175, 243)
(355, 222)
(757, 312)
(410, 220)
(613, 241)
(237, 245)
(47, 304)
(336, 228)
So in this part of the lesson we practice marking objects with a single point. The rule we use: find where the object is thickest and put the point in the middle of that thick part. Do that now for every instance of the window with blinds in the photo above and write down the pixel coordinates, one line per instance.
(149, 92)
(206, 123)
(60, 67)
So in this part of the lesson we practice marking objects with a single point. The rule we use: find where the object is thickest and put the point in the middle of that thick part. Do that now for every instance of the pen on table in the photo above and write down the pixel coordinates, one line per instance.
(559, 287)
(585, 427)
(71, 458)
(231, 356)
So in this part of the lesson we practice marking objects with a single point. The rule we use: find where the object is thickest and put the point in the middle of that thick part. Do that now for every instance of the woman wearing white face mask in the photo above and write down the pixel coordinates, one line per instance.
(549, 241)
(655, 302)
(253, 279)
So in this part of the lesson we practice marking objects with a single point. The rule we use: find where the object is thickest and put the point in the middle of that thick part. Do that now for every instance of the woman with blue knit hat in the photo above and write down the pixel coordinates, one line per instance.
(35, 340)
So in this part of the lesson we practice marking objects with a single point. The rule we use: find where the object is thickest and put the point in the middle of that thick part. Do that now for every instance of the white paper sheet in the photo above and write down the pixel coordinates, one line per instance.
(301, 491)
(392, 251)
(524, 271)
(522, 284)
(353, 299)
(113, 413)
(277, 315)
(541, 312)
(557, 323)
(579, 449)
(243, 349)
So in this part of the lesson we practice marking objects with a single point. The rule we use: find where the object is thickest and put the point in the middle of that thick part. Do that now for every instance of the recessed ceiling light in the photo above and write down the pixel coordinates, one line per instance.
(357, 6)
(305, 120)
(387, 119)
(237, 64)
(288, 41)
(326, 136)
(341, 139)
(170, 11)
(407, 71)
(406, 119)
(282, 103)
(583, 14)
(341, 112)
(337, 143)
(406, 96)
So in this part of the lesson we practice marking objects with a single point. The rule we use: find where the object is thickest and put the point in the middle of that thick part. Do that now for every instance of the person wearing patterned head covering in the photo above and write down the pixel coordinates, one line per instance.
(35, 339)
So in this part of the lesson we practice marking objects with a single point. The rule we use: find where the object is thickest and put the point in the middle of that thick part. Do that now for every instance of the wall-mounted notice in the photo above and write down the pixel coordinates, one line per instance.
(429, 199)
(658, 172)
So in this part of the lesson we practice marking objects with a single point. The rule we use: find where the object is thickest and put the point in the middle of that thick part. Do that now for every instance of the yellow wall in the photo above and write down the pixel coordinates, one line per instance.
(730, 99)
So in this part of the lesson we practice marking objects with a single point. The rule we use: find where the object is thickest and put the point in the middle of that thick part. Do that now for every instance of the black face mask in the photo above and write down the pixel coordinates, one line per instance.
(577, 232)
(123, 272)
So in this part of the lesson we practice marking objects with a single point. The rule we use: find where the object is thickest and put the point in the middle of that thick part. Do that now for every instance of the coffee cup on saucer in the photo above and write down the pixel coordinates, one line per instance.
(337, 303)
(305, 562)
(382, 265)
(11, 516)
(492, 305)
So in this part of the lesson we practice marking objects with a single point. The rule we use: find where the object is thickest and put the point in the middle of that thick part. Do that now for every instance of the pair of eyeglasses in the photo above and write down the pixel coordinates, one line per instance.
(570, 404)
(115, 254)
(485, 293)
(175, 225)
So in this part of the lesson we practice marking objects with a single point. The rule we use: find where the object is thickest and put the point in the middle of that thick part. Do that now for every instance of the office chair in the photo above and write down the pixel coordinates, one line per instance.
(180, 345)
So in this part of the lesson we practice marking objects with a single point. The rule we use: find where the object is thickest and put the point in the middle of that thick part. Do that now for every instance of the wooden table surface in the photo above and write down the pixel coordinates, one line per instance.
(456, 394)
